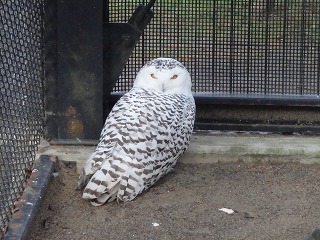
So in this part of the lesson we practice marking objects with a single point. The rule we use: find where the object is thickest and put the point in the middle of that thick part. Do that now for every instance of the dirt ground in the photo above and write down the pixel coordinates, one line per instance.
(270, 200)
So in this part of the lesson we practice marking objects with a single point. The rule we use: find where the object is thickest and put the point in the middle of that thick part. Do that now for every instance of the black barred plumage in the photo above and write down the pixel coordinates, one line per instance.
(147, 130)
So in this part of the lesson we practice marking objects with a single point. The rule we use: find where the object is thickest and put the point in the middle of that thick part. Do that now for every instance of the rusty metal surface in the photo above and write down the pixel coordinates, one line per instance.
(27, 206)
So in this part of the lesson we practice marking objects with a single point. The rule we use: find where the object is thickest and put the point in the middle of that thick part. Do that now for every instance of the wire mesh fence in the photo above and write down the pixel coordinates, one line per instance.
(246, 47)
(21, 97)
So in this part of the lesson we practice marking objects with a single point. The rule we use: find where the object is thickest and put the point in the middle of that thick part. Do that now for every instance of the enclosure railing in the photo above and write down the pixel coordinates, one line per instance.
(21, 97)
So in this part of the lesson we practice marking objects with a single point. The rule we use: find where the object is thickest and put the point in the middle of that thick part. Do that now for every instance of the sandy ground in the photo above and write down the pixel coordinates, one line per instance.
(270, 200)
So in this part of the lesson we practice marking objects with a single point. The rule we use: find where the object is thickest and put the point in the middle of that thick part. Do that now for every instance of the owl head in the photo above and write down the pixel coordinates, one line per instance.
(165, 75)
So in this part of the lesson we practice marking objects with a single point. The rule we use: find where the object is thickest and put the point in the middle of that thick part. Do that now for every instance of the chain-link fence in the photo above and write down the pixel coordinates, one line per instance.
(246, 47)
(21, 97)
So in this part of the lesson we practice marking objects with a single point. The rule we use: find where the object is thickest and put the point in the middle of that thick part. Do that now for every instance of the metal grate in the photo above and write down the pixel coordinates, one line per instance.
(243, 47)
(21, 97)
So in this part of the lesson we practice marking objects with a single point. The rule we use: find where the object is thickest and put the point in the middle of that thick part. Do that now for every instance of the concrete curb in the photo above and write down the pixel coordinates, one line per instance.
(215, 147)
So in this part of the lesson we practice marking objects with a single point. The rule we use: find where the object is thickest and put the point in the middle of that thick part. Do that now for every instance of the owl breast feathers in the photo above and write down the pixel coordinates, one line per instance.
(143, 136)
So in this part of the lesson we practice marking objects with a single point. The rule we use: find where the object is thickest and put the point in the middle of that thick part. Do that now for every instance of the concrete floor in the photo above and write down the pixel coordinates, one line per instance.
(210, 147)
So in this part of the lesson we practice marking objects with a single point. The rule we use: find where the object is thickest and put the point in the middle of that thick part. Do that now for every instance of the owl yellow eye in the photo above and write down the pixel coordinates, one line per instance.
(174, 76)
(153, 76)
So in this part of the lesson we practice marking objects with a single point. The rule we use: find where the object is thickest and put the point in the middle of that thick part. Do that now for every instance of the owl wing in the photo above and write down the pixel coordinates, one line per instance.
(142, 138)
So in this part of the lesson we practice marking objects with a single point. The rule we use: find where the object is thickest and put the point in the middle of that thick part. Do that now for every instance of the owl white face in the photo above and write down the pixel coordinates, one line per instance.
(164, 75)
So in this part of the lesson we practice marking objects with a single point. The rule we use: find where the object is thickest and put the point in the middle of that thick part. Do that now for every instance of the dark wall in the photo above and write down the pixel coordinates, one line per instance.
(73, 63)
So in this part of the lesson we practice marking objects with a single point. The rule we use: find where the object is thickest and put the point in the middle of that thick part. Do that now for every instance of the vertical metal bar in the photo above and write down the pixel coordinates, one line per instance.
(177, 33)
(142, 48)
(231, 54)
(105, 7)
(213, 45)
(302, 48)
(249, 45)
(196, 68)
(284, 44)
(161, 41)
(143, 51)
(266, 55)
(318, 64)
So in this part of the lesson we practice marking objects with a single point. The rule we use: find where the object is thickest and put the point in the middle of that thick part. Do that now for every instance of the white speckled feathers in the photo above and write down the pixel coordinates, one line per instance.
(143, 136)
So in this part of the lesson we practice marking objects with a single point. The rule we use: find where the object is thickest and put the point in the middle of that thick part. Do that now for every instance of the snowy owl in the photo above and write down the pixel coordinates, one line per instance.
(143, 136)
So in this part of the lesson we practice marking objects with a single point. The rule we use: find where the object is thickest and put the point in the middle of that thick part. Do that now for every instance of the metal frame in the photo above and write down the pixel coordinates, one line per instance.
(249, 99)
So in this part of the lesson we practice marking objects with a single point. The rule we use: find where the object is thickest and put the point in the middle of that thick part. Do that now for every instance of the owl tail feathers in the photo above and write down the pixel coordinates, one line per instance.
(100, 192)
(105, 197)
(87, 171)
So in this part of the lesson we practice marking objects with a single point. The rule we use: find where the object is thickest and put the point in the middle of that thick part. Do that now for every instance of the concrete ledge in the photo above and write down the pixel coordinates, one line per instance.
(213, 147)
(76, 153)
(233, 147)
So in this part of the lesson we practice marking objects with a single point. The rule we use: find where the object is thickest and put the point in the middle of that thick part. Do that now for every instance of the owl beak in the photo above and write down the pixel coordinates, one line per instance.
(163, 88)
